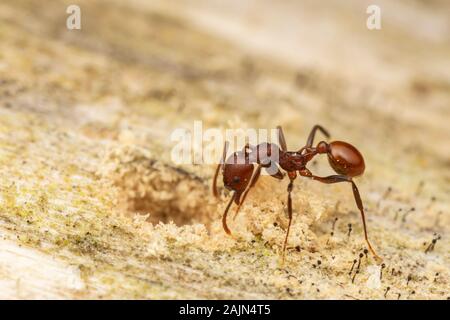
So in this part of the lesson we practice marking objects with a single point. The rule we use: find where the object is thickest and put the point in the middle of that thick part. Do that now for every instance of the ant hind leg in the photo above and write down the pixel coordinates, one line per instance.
(356, 195)
(310, 140)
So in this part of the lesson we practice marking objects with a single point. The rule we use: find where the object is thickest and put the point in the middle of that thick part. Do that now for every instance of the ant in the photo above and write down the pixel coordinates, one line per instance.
(240, 175)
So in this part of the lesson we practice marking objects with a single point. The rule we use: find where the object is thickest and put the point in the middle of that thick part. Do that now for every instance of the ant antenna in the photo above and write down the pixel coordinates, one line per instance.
(224, 217)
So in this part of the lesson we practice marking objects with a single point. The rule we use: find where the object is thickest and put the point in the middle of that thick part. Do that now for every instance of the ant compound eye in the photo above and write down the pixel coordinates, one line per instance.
(236, 179)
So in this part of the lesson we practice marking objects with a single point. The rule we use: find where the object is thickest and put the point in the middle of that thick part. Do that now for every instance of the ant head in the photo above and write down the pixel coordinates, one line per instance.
(237, 172)
(344, 158)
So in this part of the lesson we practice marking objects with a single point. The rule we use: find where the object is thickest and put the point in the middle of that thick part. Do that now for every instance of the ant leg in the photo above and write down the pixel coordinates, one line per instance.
(224, 217)
(281, 139)
(292, 176)
(252, 182)
(356, 195)
(310, 140)
(254, 179)
(220, 165)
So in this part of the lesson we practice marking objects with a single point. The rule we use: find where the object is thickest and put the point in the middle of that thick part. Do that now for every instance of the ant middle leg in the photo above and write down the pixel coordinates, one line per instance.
(292, 176)
(356, 195)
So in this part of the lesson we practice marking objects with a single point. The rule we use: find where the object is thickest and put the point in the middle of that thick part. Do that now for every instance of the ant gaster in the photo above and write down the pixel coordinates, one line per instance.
(240, 174)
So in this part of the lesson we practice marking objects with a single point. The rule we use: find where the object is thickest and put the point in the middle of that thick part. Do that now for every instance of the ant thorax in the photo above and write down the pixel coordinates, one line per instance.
(292, 160)
(264, 154)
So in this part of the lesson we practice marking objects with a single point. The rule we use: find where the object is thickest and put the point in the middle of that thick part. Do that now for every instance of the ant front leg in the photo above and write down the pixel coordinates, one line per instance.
(258, 155)
(253, 179)
(342, 178)
(256, 174)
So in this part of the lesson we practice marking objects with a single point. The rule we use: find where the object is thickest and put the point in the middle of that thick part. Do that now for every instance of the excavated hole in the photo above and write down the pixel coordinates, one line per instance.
(172, 195)
(165, 192)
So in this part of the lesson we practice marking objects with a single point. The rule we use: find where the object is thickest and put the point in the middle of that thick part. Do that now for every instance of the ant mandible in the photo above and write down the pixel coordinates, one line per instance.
(240, 175)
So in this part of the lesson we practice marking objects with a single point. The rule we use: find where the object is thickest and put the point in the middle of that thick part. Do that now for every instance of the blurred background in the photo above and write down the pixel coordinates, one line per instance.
(316, 63)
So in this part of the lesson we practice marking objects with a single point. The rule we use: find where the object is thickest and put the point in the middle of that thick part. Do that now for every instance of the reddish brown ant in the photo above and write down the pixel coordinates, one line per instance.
(240, 175)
